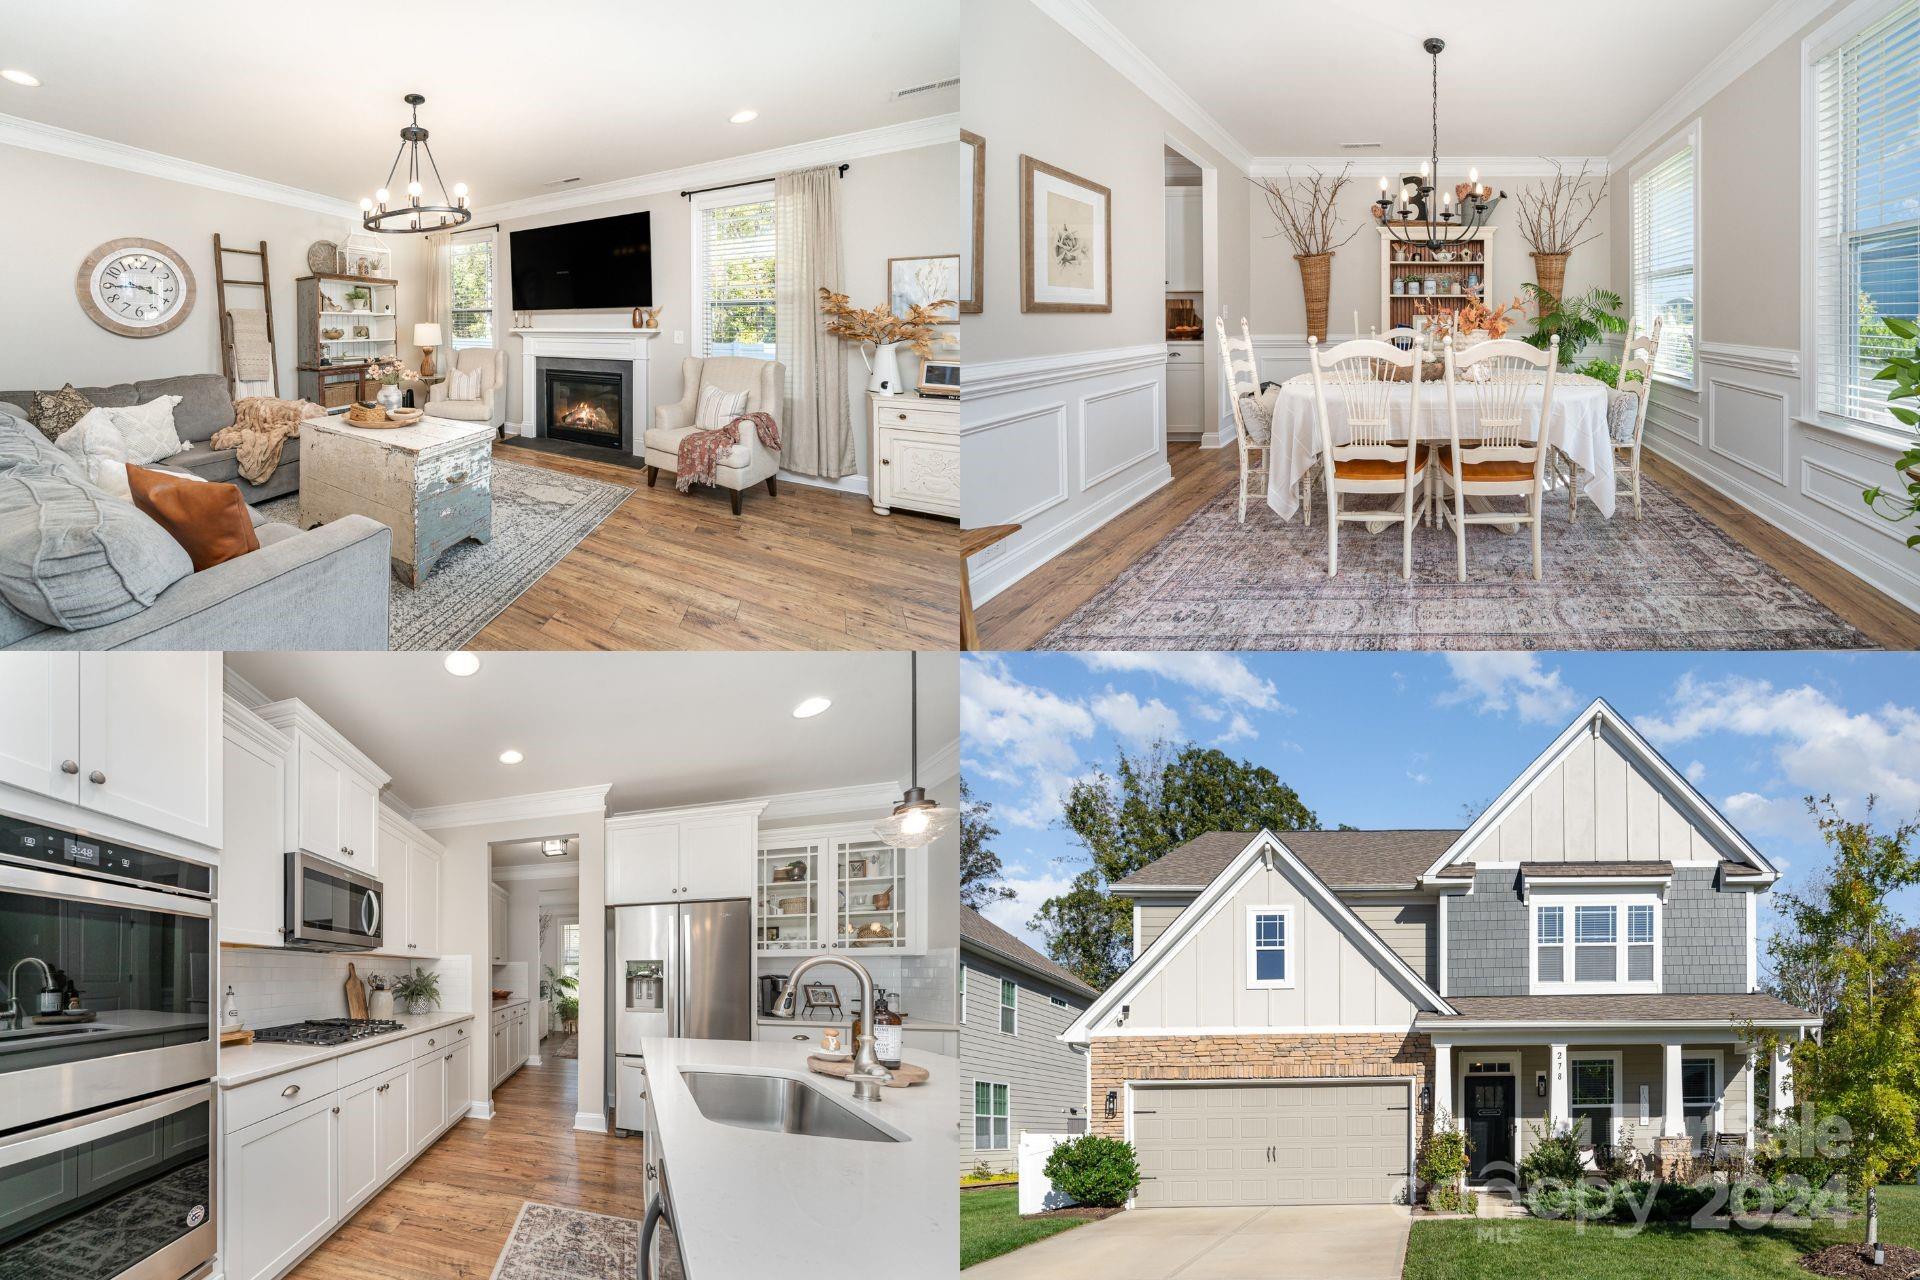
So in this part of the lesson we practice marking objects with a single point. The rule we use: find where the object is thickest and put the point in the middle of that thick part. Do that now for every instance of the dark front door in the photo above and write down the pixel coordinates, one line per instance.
(1489, 1121)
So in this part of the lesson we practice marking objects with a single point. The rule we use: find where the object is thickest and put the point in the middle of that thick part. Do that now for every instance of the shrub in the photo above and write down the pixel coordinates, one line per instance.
(1451, 1199)
(1096, 1171)
(1793, 1150)
(1552, 1198)
(1554, 1158)
(1443, 1159)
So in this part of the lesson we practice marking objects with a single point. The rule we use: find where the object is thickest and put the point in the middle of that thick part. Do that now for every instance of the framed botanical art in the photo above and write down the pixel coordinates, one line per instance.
(1066, 241)
(919, 281)
(973, 181)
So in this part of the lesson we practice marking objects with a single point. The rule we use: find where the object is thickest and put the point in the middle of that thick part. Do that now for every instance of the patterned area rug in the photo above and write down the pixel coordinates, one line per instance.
(1670, 580)
(551, 1243)
(538, 516)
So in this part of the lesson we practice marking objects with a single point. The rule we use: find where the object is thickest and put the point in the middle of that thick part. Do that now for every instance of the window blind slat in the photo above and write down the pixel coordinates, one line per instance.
(1663, 260)
(736, 306)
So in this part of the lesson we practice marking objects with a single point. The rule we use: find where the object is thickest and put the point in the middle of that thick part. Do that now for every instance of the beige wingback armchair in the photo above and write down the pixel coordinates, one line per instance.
(745, 464)
(491, 407)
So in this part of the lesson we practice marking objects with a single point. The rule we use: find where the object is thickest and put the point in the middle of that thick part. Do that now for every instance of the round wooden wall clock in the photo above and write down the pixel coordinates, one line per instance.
(136, 288)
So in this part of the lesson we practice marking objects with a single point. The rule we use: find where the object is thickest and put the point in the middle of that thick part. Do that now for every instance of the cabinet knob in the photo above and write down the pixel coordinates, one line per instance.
(886, 462)
(449, 1057)
(1173, 355)
(290, 1090)
(903, 417)
(69, 766)
(431, 1043)
(336, 1111)
(97, 778)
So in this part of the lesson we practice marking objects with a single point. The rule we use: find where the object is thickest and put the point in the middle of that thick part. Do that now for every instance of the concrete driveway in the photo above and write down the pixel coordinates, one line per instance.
(1354, 1242)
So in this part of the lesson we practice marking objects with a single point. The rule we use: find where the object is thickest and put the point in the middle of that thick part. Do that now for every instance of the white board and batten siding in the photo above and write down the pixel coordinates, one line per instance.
(1203, 983)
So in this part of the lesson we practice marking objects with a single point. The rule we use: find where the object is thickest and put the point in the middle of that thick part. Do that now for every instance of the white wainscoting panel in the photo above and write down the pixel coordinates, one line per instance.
(1058, 445)
(1745, 434)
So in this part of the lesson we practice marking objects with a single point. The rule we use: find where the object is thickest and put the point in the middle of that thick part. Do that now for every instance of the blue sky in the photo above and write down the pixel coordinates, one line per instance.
(1419, 740)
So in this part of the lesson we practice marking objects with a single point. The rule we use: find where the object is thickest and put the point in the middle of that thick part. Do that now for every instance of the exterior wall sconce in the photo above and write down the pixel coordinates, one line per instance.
(1113, 1102)
(1539, 1084)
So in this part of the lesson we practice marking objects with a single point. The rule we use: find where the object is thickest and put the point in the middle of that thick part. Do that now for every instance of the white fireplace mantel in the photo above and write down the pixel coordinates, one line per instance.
(627, 345)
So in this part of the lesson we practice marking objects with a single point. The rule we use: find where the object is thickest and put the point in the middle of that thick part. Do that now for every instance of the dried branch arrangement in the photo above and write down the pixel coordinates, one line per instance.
(1553, 214)
(880, 326)
(1476, 316)
(1306, 209)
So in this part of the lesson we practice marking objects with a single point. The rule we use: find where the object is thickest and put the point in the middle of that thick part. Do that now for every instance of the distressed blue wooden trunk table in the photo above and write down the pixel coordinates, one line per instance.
(431, 483)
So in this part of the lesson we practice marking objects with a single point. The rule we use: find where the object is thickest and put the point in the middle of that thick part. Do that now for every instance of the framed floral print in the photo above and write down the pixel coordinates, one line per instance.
(1066, 241)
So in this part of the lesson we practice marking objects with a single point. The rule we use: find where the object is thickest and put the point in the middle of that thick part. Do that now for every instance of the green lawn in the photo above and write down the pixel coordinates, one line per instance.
(990, 1225)
(1526, 1248)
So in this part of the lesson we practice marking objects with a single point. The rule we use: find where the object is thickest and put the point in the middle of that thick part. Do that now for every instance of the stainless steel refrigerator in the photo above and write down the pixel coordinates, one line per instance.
(677, 969)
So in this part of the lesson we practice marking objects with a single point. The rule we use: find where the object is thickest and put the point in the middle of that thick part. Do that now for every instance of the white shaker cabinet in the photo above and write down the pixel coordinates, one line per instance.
(429, 1101)
(497, 923)
(1186, 240)
(682, 854)
(410, 878)
(459, 1062)
(358, 1135)
(643, 861)
(253, 862)
(283, 1186)
(40, 723)
(1186, 399)
(393, 1121)
(333, 789)
(423, 897)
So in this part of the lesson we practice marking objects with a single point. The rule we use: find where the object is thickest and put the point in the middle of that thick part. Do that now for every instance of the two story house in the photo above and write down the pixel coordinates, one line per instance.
(1017, 1071)
(1302, 1004)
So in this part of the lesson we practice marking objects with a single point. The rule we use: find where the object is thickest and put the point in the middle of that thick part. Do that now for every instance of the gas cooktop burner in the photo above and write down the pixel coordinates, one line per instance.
(327, 1031)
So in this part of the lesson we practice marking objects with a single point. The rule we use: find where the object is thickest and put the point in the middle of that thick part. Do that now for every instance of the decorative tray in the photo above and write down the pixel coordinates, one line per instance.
(376, 419)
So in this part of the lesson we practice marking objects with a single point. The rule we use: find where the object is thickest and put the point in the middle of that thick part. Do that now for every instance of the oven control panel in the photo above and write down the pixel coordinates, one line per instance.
(46, 846)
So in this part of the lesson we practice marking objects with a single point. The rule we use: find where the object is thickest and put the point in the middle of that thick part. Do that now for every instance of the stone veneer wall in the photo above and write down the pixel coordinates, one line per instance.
(1119, 1059)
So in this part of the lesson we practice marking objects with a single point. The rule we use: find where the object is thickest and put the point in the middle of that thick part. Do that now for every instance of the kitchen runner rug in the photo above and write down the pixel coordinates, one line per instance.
(551, 1243)
(1669, 580)
(539, 515)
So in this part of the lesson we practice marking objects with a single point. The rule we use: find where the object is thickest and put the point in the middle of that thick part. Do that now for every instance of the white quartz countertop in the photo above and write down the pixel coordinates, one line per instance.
(245, 1063)
(752, 1203)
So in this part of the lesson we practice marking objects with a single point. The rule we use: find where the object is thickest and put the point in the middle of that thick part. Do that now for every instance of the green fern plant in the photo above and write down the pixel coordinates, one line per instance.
(1902, 370)
(1577, 321)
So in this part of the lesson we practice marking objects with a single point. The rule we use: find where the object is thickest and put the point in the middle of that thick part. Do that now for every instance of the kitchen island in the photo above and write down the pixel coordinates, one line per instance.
(749, 1201)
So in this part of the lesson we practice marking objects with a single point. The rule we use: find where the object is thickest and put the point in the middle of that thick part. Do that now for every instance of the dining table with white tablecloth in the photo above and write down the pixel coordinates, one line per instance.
(1578, 429)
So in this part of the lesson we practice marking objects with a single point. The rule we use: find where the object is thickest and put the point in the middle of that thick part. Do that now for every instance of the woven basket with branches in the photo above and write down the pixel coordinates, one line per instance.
(1308, 215)
(1554, 212)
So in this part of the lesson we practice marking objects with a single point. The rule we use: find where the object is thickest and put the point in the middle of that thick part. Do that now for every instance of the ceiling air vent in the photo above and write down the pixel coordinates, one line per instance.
(1359, 146)
(560, 182)
(931, 86)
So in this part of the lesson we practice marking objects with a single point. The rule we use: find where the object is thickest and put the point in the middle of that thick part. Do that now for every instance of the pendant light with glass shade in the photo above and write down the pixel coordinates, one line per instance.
(916, 821)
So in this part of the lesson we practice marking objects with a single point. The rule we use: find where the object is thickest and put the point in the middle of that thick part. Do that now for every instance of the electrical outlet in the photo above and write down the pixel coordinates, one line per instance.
(679, 337)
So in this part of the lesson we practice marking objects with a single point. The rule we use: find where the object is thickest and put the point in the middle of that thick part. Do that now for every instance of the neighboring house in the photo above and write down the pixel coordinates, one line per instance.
(1016, 1070)
(1302, 1003)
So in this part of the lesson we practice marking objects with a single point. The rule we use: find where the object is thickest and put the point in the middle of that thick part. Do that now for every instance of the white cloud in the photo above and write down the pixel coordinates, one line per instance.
(1238, 730)
(1140, 723)
(1695, 772)
(1755, 814)
(1501, 682)
(1209, 712)
(1021, 735)
(1030, 890)
(1219, 674)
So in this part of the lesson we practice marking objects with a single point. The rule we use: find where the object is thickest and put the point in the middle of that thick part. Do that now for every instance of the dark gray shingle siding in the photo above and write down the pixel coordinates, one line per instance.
(1705, 935)
(1487, 938)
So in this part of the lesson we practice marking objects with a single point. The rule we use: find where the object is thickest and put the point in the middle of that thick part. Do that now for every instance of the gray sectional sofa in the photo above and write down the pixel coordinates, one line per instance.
(325, 588)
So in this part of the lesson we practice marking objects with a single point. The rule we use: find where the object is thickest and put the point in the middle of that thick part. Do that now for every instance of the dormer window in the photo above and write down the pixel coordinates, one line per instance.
(1614, 941)
(1270, 958)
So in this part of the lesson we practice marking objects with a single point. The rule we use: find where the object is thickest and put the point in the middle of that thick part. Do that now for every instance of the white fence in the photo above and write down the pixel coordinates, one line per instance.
(1036, 1193)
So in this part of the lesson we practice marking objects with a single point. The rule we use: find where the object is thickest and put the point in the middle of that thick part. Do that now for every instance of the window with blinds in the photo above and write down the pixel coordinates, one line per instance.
(470, 268)
(1866, 134)
(733, 272)
(1664, 214)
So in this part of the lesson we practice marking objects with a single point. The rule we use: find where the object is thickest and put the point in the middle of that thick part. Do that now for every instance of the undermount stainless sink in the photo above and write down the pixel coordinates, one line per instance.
(776, 1104)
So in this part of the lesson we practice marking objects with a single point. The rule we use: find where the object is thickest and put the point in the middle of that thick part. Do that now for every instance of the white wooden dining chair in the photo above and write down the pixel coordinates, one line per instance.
(1506, 455)
(1252, 424)
(1376, 454)
(1627, 407)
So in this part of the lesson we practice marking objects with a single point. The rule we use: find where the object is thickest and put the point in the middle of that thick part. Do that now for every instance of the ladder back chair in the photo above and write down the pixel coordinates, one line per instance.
(1627, 412)
(1376, 454)
(1252, 423)
(1506, 455)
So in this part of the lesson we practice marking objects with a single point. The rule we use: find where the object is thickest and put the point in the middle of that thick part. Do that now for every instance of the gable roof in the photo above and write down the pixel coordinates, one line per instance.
(1600, 716)
(1341, 859)
(1258, 848)
(978, 933)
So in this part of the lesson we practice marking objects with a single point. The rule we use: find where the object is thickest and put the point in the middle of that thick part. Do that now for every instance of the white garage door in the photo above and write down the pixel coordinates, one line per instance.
(1253, 1144)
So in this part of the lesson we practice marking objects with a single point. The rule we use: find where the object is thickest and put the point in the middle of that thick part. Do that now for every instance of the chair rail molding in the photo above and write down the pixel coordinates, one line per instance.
(1058, 444)
(1781, 360)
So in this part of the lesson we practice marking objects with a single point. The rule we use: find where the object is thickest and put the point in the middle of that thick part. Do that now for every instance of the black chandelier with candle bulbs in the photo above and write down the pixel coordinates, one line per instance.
(1412, 215)
(410, 216)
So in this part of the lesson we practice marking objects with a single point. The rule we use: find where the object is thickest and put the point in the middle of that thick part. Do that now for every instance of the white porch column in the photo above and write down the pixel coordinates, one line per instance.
(1443, 1080)
(1673, 1117)
(1559, 1113)
(1782, 1100)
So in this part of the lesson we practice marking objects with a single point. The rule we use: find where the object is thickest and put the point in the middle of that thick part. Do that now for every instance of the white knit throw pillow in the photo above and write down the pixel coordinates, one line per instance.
(718, 408)
(149, 430)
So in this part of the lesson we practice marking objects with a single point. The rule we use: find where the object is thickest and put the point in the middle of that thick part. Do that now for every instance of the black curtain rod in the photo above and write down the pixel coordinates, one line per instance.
(750, 182)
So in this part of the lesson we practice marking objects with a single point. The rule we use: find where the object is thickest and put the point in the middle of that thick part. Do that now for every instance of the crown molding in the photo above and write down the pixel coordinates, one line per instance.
(32, 135)
(241, 689)
(1771, 30)
(1490, 167)
(1085, 24)
(537, 804)
(927, 132)
(944, 763)
(828, 800)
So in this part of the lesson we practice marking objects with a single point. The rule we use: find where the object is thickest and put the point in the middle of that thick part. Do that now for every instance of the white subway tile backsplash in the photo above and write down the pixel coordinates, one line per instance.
(277, 987)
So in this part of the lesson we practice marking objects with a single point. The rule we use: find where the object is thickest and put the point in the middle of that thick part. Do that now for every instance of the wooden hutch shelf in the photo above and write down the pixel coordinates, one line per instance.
(346, 321)
(1458, 281)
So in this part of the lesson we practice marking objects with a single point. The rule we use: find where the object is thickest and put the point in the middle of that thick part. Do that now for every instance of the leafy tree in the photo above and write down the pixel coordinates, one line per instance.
(1896, 342)
(980, 881)
(1154, 803)
(1845, 951)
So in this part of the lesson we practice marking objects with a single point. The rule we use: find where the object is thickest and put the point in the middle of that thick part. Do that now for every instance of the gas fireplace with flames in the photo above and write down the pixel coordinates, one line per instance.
(588, 406)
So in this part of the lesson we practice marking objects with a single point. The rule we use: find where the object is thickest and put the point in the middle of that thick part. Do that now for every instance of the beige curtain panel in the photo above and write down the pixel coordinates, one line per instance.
(440, 285)
(817, 434)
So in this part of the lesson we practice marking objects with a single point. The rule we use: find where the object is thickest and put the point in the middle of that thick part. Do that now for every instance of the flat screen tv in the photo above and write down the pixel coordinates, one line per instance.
(576, 266)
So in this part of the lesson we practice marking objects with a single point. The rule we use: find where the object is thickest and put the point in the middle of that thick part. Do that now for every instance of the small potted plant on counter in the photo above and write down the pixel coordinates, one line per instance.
(420, 989)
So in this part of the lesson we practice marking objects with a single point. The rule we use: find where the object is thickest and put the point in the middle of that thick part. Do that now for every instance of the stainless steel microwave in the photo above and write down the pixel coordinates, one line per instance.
(330, 908)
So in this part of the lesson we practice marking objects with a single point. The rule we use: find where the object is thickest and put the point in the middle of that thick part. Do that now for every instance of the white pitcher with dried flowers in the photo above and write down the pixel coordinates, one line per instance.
(390, 373)
(1306, 211)
(886, 333)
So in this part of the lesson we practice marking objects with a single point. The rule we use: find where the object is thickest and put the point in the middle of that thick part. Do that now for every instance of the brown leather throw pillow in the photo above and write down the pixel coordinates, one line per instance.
(209, 520)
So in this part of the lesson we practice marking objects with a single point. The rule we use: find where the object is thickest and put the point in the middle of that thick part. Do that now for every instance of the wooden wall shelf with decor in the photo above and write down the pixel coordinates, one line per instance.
(1416, 264)
(346, 320)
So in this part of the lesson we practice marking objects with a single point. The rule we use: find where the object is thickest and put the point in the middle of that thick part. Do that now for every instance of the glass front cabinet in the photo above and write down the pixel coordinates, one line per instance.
(837, 889)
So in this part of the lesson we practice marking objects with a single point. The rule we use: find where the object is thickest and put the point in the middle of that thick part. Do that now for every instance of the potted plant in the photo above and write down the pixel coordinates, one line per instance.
(1552, 216)
(359, 298)
(1902, 370)
(1575, 321)
(886, 333)
(568, 1007)
(1306, 213)
(420, 989)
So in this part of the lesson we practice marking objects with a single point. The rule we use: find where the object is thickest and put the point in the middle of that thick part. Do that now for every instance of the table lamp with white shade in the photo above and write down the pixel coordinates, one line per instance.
(426, 337)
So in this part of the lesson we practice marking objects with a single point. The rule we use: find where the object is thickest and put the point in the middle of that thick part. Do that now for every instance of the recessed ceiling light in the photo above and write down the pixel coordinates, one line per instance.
(811, 708)
(553, 848)
(743, 117)
(461, 664)
(511, 757)
(25, 79)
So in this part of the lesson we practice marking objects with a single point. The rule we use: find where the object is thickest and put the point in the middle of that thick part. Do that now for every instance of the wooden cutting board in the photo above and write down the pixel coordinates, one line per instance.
(356, 994)
(904, 1075)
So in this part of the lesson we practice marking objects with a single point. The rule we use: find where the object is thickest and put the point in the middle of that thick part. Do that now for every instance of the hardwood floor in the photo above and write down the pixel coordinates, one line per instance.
(1018, 617)
(809, 569)
(449, 1213)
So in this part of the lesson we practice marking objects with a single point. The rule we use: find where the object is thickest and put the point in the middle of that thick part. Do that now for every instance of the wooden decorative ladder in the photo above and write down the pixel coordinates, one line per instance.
(265, 285)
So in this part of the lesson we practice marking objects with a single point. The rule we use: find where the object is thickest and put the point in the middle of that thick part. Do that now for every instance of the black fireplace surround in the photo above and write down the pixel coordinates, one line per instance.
(587, 402)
